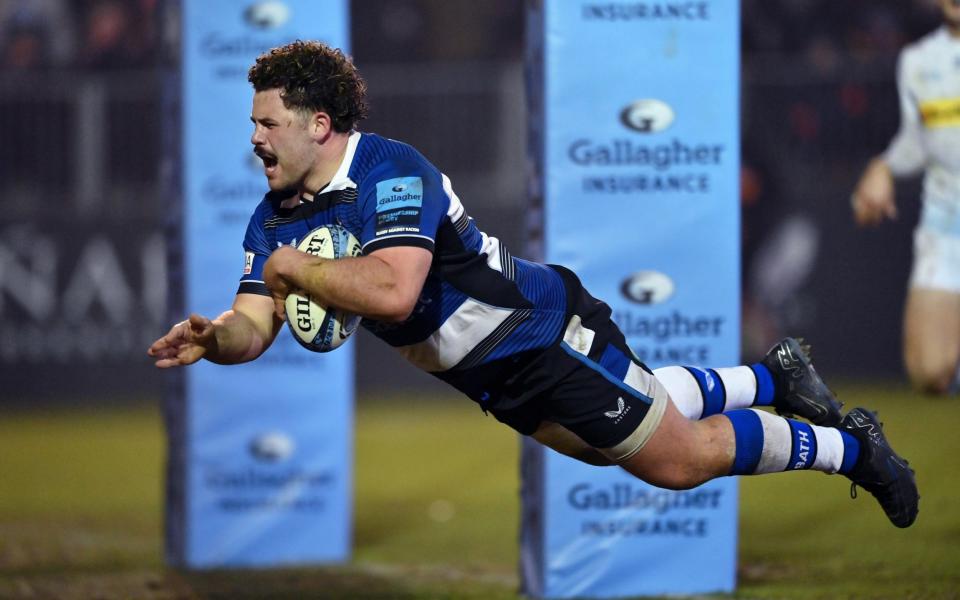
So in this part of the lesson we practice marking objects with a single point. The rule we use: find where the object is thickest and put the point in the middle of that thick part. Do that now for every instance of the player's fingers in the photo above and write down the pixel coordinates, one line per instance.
(169, 359)
(861, 216)
(186, 354)
(870, 210)
(868, 218)
(856, 205)
(166, 363)
(162, 351)
(279, 307)
(170, 339)
(198, 322)
(201, 328)
(190, 354)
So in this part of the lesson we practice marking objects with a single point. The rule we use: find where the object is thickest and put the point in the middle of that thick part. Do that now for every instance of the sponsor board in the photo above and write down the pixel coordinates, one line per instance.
(620, 165)
(638, 177)
(260, 472)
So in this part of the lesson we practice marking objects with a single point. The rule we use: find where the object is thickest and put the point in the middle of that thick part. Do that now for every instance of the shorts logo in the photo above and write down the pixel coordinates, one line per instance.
(247, 263)
(620, 413)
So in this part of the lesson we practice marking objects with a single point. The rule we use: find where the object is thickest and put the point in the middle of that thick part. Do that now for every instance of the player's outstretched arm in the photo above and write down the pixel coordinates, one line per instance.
(873, 199)
(239, 335)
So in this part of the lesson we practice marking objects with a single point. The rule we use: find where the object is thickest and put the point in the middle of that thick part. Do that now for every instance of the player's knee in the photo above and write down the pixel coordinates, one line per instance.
(931, 378)
(933, 384)
(677, 479)
(682, 454)
(670, 475)
(930, 367)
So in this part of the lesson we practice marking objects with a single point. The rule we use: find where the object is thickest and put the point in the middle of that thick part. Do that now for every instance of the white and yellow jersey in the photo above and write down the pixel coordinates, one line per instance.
(928, 80)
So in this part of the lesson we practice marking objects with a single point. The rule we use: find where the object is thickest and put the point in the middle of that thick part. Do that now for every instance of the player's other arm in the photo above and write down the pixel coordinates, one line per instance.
(873, 199)
(240, 334)
(383, 285)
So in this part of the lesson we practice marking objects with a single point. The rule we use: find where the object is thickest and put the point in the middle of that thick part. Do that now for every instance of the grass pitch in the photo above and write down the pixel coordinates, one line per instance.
(437, 512)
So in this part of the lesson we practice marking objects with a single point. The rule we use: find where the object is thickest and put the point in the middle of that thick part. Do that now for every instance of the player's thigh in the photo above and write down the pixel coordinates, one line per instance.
(682, 453)
(931, 336)
(604, 397)
(559, 438)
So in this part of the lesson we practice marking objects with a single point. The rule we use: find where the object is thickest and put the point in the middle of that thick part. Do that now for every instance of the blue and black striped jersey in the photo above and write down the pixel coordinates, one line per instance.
(481, 312)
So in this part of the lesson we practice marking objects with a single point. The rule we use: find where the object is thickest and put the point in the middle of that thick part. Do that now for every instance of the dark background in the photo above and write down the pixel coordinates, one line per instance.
(82, 269)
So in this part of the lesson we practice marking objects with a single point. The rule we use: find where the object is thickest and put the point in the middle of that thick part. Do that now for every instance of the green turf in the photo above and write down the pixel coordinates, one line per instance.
(437, 512)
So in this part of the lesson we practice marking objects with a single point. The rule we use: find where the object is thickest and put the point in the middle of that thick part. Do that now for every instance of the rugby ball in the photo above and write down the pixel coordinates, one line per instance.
(315, 327)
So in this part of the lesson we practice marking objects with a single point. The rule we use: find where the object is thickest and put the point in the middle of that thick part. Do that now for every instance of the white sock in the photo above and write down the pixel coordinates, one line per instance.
(767, 443)
(726, 389)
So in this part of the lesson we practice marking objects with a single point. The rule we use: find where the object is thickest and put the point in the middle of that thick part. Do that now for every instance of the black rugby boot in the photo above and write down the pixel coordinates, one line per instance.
(880, 470)
(799, 391)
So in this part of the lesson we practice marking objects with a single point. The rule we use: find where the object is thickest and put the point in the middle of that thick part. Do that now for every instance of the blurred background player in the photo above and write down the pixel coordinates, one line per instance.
(928, 79)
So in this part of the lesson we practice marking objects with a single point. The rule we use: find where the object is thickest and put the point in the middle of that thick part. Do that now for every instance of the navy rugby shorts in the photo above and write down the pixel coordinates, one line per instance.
(589, 382)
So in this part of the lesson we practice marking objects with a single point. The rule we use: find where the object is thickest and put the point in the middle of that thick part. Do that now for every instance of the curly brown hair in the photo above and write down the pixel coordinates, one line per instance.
(312, 76)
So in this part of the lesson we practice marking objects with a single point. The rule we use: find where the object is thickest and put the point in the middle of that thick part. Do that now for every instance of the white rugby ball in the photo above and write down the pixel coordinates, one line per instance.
(316, 327)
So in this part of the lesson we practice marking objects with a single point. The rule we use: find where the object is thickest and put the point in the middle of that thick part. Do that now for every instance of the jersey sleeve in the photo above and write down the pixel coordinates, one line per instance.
(401, 204)
(906, 154)
(256, 251)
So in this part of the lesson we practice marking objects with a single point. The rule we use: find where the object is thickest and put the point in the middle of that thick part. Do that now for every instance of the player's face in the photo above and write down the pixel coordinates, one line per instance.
(281, 138)
(951, 12)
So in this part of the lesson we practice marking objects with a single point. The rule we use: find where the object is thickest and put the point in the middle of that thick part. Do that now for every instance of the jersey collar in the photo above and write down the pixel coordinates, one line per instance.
(340, 180)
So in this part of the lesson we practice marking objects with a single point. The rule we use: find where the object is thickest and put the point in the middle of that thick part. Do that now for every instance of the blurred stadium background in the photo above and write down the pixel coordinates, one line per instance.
(82, 216)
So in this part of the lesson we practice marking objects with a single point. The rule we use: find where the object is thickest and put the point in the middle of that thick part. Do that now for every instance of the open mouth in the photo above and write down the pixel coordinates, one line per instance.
(269, 160)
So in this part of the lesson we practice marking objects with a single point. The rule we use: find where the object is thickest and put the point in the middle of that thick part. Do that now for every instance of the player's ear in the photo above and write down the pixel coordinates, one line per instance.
(320, 124)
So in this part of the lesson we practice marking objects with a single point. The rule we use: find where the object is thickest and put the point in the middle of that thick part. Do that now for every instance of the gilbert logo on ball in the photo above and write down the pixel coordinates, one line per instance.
(315, 327)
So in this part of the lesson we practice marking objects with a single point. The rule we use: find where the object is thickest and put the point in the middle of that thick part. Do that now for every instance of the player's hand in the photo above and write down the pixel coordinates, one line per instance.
(186, 343)
(276, 273)
(873, 199)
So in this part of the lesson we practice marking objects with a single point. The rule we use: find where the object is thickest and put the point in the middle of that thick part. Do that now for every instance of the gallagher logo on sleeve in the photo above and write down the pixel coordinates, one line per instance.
(399, 202)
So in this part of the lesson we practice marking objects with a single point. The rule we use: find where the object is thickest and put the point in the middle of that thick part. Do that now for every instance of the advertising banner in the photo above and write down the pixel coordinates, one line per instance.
(261, 453)
(635, 144)
(82, 299)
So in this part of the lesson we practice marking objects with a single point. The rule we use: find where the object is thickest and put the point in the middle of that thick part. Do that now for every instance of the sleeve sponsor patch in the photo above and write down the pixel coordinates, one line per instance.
(942, 112)
(247, 263)
(399, 203)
